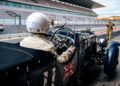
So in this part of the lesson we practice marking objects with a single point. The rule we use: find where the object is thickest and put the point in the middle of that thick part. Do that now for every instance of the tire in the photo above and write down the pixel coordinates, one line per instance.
(111, 61)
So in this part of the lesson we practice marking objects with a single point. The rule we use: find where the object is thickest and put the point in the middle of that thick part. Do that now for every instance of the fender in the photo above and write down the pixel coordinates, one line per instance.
(113, 44)
(111, 58)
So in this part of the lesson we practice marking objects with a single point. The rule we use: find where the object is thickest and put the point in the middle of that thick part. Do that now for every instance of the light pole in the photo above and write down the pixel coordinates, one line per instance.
(15, 15)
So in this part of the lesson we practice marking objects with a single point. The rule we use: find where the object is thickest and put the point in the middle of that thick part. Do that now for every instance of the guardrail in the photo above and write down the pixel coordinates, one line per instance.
(15, 35)
(19, 36)
(12, 37)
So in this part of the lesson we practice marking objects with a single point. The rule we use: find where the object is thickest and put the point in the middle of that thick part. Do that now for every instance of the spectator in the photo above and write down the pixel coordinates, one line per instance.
(109, 30)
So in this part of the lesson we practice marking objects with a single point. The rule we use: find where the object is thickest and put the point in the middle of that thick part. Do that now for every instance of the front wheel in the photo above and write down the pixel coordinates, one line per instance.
(111, 61)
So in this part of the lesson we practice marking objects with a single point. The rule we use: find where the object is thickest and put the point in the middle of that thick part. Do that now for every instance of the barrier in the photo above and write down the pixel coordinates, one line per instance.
(11, 37)
(19, 36)
(15, 35)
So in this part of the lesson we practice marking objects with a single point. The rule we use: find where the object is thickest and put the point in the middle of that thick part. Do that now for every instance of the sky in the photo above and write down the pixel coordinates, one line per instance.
(112, 8)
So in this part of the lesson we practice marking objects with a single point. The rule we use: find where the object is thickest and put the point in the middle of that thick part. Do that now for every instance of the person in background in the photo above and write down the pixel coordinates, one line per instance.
(37, 24)
(52, 22)
(51, 26)
(110, 26)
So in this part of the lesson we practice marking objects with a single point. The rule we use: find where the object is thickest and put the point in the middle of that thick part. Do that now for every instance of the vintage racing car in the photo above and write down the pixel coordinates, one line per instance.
(21, 66)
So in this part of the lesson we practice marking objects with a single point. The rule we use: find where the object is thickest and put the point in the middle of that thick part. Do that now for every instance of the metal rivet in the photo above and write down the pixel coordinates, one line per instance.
(17, 68)
(38, 61)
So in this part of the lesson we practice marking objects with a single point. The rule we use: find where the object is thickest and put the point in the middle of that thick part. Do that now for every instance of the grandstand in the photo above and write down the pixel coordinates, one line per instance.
(74, 13)
(60, 10)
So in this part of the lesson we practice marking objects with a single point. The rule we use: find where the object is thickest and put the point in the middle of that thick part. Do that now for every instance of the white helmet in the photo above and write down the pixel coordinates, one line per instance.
(37, 23)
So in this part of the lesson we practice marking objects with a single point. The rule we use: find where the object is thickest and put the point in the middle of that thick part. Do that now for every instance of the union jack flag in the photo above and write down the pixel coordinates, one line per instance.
(68, 70)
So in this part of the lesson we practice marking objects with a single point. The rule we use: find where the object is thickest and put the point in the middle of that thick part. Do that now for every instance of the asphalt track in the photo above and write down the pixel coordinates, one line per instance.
(114, 35)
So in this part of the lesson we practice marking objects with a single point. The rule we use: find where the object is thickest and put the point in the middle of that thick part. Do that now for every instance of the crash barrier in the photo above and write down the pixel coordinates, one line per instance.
(8, 37)
(15, 35)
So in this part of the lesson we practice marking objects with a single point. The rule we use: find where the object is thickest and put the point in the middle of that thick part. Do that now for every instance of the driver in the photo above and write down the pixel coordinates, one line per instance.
(37, 24)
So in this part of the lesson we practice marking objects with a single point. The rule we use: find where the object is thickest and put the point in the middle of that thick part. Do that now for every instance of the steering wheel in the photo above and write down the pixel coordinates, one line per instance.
(63, 38)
